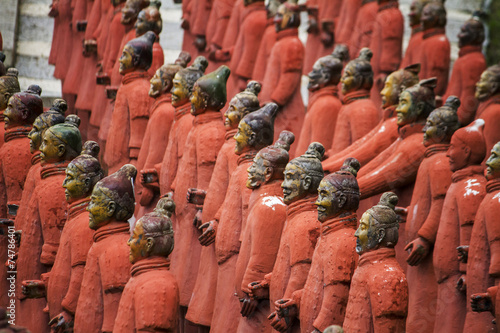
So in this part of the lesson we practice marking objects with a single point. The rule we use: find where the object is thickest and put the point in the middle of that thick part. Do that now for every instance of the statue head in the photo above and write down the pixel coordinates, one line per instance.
(149, 19)
(23, 107)
(338, 192)
(379, 225)
(303, 174)
(153, 234)
(209, 92)
(61, 142)
(242, 104)
(272, 7)
(358, 73)
(83, 172)
(467, 146)
(51, 117)
(416, 102)
(415, 14)
(161, 82)
(256, 129)
(185, 79)
(328, 70)
(493, 163)
(398, 81)
(471, 33)
(287, 16)
(489, 83)
(433, 15)
(137, 54)
(270, 162)
(442, 123)
(131, 10)
(113, 198)
(9, 85)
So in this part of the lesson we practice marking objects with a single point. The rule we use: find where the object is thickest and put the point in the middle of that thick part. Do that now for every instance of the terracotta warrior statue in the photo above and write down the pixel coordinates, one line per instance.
(65, 278)
(412, 52)
(467, 69)
(255, 131)
(386, 132)
(157, 131)
(131, 112)
(46, 217)
(322, 302)
(8, 86)
(201, 305)
(261, 237)
(347, 19)
(363, 27)
(281, 84)
(150, 299)
(488, 95)
(324, 103)
(110, 208)
(359, 114)
(298, 239)
(467, 190)
(378, 298)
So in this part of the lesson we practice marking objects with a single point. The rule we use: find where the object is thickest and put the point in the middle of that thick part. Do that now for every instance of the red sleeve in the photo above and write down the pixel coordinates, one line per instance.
(292, 58)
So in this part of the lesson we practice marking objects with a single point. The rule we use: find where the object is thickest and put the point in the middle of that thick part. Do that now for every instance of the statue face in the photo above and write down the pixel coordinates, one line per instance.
(243, 138)
(129, 12)
(406, 111)
(13, 115)
(51, 149)
(458, 154)
(282, 18)
(76, 184)
(295, 184)
(348, 80)
(138, 244)
(100, 209)
(329, 201)
(180, 91)
(390, 93)
(429, 18)
(35, 135)
(317, 77)
(258, 173)
(198, 101)
(493, 163)
(486, 86)
(233, 115)
(141, 25)
(4, 97)
(415, 12)
(127, 60)
(433, 131)
(367, 235)
(156, 85)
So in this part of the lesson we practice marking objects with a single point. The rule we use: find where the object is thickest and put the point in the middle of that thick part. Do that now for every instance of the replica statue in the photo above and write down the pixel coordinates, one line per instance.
(46, 217)
(467, 190)
(202, 146)
(358, 114)
(386, 132)
(435, 48)
(322, 302)
(324, 103)
(131, 112)
(200, 11)
(261, 237)
(255, 131)
(347, 19)
(157, 131)
(15, 158)
(8, 86)
(188, 37)
(62, 40)
(488, 95)
(150, 299)
(412, 52)
(281, 84)
(201, 305)
(298, 239)
(65, 278)
(363, 27)
(110, 208)
(467, 69)
(378, 295)
(424, 215)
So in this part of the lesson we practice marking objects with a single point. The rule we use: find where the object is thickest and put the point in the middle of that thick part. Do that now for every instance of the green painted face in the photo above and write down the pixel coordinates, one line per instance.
(180, 91)
(138, 244)
(76, 184)
(100, 209)
(243, 138)
(493, 163)
(258, 173)
(52, 149)
(328, 201)
(295, 184)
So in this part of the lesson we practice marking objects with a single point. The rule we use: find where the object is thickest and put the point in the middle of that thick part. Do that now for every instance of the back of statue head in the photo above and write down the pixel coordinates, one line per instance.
(212, 88)
(261, 124)
(362, 70)
(143, 50)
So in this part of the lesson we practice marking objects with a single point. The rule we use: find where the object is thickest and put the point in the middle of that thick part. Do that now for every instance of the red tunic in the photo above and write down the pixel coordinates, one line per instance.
(104, 278)
(378, 299)
(199, 13)
(201, 305)
(412, 53)
(150, 299)
(259, 247)
(424, 213)
(195, 171)
(218, 21)
(435, 58)
(462, 200)
(467, 71)
(188, 38)
(489, 111)
(32, 179)
(130, 118)
(363, 28)
(265, 48)
(347, 19)
(2, 128)
(66, 276)
(482, 264)
(281, 83)
(65, 39)
(356, 117)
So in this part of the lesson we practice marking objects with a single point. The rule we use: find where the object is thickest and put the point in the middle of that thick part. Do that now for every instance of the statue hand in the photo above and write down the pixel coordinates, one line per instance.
(327, 38)
(463, 253)
(419, 249)
(402, 213)
(287, 308)
(208, 236)
(279, 324)
(313, 26)
(33, 288)
(480, 302)
(211, 51)
(462, 283)
(221, 55)
(185, 25)
(248, 306)
(196, 196)
(259, 290)
(197, 219)
(149, 176)
(200, 43)
(62, 323)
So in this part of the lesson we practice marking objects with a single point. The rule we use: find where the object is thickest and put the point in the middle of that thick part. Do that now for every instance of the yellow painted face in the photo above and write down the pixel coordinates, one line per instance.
(327, 201)
(484, 86)
(405, 110)
(348, 80)
(366, 234)
(258, 173)
(51, 149)
(180, 91)
(433, 131)
(282, 18)
(390, 93)
(294, 184)
(243, 138)
(12, 114)
(156, 84)
(138, 244)
(493, 163)
(35, 135)
(76, 184)
(4, 97)
(99, 209)
(198, 102)
(233, 114)
(126, 60)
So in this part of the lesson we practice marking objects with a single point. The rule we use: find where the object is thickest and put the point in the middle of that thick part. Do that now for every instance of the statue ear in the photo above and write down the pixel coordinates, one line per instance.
(269, 173)
(494, 87)
(342, 199)
(467, 151)
(307, 182)
(150, 242)
(380, 235)
(111, 208)
(61, 150)
(252, 138)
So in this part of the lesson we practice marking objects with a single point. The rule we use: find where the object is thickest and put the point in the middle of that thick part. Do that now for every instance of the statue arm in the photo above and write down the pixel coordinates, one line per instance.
(3, 193)
(290, 73)
(70, 300)
(392, 42)
(335, 296)
(94, 18)
(298, 277)
(493, 232)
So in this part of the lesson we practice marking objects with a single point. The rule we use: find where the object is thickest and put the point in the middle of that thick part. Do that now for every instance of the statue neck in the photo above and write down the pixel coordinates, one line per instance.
(416, 28)
(288, 32)
(376, 255)
(433, 32)
(388, 4)
(36, 158)
(78, 206)
(356, 95)
(467, 49)
(493, 185)
(181, 111)
(231, 133)
(302, 205)
(389, 112)
(113, 227)
(17, 132)
(410, 129)
(345, 220)
(436, 148)
(153, 263)
(468, 171)
(53, 169)
(247, 156)
(206, 117)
